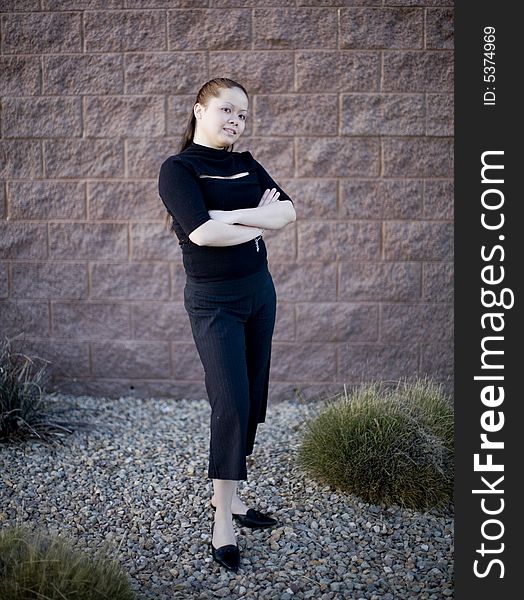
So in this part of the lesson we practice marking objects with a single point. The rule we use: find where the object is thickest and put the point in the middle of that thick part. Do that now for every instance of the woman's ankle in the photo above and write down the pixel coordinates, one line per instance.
(223, 513)
(214, 503)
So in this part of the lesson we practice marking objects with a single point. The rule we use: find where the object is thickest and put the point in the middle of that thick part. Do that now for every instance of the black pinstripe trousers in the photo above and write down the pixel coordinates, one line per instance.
(232, 324)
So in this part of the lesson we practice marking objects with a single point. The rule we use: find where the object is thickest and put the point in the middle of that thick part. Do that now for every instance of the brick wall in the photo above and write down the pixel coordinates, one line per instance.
(351, 112)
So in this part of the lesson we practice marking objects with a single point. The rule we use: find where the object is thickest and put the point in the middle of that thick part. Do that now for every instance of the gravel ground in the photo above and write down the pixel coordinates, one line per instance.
(137, 479)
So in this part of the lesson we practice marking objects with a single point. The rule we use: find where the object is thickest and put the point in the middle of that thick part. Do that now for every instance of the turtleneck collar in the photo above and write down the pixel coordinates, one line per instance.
(207, 150)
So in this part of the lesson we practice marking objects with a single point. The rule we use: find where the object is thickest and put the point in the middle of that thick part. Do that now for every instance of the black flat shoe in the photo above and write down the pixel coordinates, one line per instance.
(253, 519)
(228, 555)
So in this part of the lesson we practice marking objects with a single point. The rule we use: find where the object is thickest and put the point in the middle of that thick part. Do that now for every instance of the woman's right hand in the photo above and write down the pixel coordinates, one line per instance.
(269, 196)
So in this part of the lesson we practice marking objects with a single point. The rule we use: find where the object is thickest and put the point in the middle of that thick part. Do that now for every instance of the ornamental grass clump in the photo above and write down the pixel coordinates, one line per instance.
(25, 407)
(35, 565)
(387, 445)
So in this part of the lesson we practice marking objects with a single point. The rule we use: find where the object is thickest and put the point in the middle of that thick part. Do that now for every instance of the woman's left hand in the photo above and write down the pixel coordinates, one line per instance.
(225, 216)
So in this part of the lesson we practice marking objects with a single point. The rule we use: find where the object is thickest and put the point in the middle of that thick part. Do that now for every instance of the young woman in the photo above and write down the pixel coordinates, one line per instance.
(220, 202)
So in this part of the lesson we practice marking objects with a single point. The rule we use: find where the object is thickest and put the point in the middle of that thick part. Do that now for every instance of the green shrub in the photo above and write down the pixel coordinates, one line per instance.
(24, 403)
(35, 565)
(386, 445)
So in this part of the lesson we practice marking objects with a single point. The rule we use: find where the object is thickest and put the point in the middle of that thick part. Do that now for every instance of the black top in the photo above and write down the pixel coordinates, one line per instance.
(188, 197)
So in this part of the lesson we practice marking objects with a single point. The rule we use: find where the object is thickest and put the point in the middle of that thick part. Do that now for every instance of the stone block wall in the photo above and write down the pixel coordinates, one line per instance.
(351, 111)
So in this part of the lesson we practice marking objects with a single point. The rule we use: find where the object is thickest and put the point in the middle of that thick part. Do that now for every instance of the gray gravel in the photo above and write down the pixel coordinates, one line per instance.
(137, 479)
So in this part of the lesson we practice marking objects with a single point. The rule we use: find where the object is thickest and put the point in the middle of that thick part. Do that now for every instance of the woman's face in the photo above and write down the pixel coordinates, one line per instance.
(223, 121)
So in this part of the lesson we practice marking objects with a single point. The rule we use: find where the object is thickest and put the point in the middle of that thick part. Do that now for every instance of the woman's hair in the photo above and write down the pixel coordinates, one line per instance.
(210, 89)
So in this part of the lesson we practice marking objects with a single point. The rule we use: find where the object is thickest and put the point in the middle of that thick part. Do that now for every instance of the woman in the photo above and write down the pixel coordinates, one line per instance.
(220, 202)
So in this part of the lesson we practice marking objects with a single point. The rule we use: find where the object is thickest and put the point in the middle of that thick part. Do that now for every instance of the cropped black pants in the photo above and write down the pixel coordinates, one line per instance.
(232, 324)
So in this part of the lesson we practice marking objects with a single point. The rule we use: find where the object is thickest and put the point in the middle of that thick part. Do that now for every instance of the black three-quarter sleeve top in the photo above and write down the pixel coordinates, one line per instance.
(198, 180)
